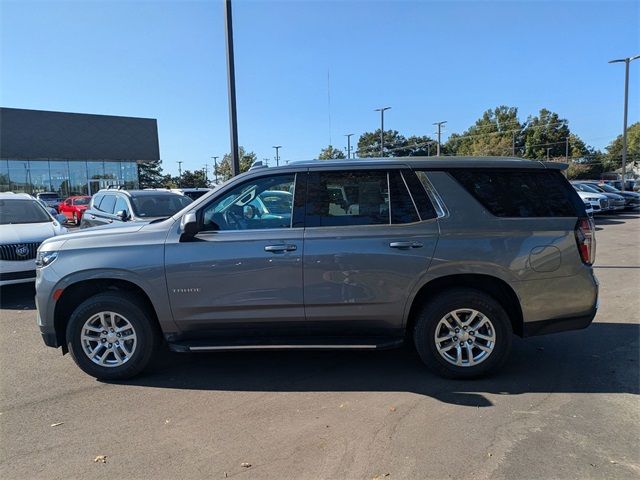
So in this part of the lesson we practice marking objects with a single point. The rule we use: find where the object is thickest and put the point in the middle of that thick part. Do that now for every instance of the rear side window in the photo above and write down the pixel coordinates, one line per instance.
(521, 193)
(402, 207)
(339, 198)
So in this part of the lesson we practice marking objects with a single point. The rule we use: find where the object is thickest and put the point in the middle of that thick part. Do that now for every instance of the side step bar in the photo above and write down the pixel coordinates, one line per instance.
(222, 344)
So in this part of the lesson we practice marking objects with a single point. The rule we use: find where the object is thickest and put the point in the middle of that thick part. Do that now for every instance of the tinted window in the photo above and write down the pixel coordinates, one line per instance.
(107, 203)
(521, 193)
(22, 211)
(97, 198)
(82, 201)
(261, 203)
(347, 198)
(148, 206)
(418, 186)
(402, 208)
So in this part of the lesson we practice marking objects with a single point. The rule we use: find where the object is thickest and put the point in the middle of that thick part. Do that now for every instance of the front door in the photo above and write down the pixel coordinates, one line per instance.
(242, 273)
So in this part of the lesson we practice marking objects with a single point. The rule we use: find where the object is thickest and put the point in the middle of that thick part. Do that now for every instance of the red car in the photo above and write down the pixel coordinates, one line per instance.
(74, 207)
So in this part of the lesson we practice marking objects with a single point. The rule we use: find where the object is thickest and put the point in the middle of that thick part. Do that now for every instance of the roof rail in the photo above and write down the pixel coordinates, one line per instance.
(115, 187)
(258, 164)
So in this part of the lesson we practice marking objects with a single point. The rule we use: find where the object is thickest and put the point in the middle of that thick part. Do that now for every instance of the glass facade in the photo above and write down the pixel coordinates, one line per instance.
(66, 177)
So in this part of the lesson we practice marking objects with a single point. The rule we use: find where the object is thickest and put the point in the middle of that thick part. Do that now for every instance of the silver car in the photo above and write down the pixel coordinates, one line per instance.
(454, 256)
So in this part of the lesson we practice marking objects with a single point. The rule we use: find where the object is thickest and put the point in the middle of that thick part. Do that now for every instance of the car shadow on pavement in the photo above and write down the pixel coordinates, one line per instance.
(601, 359)
(615, 219)
(20, 296)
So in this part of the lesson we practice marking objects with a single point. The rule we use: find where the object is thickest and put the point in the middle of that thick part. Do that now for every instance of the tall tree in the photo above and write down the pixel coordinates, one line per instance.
(545, 131)
(330, 153)
(150, 174)
(420, 146)
(614, 149)
(496, 133)
(369, 144)
(194, 179)
(247, 159)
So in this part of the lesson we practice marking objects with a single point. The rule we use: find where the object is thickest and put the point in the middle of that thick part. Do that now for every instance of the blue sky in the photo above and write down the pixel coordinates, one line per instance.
(429, 60)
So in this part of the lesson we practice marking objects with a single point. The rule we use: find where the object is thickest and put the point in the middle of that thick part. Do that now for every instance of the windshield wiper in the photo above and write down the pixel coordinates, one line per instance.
(157, 220)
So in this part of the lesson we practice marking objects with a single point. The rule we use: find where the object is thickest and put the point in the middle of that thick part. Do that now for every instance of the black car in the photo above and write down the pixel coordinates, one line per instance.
(123, 206)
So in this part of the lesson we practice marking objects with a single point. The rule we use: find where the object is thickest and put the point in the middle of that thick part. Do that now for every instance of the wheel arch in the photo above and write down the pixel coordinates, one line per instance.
(77, 292)
(497, 288)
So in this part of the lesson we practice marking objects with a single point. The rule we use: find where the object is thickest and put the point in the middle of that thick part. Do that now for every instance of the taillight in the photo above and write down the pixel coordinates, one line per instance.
(586, 240)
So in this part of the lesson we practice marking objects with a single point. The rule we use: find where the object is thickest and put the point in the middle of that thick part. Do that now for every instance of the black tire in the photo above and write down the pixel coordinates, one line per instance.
(461, 298)
(122, 303)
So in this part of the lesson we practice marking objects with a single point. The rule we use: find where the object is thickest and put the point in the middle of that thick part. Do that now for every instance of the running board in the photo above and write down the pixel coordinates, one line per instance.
(318, 343)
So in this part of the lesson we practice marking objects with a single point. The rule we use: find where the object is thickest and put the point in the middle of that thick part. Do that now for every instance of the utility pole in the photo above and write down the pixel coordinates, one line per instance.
(179, 174)
(231, 84)
(566, 149)
(205, 172)
(548, 150)
(349, 135)
(513, 143)
(439, 125)
(215, 168)
(277, 147)
(382, 110)
(626, 61)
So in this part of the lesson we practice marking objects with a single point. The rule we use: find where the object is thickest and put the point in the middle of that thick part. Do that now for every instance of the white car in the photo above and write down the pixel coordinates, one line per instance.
(599, 203)
(24, 225)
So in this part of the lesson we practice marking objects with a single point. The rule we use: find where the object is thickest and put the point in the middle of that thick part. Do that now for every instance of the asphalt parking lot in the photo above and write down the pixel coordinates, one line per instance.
(566, 405)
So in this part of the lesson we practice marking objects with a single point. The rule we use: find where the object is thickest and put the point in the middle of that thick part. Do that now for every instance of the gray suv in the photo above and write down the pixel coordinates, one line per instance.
(452, 255)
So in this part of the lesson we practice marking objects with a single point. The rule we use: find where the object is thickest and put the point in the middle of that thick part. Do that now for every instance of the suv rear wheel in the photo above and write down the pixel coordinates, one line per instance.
(111, 336)
(463, 333)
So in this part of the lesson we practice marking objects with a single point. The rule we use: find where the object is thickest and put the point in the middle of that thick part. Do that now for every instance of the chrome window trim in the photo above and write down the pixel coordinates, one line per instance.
(434, 196)
(415, 207)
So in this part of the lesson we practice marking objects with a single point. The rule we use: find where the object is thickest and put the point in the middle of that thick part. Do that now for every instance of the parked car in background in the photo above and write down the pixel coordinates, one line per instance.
(590, 202)
(52, 211)
(24, 224)
(74, 207)
(452, 255)
(599, 203)
(629, 185)
(118, 207)
(616, 202)
(50, 199)
(631, 199)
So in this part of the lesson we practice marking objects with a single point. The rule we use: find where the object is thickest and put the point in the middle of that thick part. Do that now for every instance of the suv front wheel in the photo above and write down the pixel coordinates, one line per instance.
(463, 333)
(111, 336)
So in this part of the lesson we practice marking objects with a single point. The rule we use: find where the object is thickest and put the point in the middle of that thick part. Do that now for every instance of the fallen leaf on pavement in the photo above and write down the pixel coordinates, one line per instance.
(392, 409)
(245, 464)
(57, 424)
(101, 459)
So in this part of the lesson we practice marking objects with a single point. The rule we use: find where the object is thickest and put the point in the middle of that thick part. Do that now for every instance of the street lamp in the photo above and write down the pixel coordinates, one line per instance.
(382, 110)
(626, 61)
(179, 174)
(349, 135)
(215, 168)
(439, 125)
(277, 147)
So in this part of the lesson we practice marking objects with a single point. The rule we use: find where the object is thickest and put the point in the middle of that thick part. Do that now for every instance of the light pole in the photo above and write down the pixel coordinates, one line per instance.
(439, 125)
(179, 174)
(277, 147)
(548, 150)
(349, 135)
(382, 110)
(231, 85)
(215, 168)
(626, 61)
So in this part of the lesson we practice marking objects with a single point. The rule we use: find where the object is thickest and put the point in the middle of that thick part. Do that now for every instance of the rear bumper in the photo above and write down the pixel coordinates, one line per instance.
(555, 325)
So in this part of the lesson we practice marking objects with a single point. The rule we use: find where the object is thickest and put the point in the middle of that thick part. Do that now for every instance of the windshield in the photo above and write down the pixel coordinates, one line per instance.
(608, 188)
(22, 211)
(82, 201)
(588, 188)
(277, 202)
(148, 206)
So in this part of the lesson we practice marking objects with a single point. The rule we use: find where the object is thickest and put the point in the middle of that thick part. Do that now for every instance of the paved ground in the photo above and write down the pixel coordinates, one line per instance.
(565, 407)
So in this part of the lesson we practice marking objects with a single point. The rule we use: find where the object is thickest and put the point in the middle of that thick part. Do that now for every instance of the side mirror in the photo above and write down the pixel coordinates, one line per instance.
(189, 224)
(61, 218)
(122, 215)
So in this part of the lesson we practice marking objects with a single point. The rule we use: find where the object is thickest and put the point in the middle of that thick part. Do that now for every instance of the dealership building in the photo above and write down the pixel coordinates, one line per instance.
(72, 153)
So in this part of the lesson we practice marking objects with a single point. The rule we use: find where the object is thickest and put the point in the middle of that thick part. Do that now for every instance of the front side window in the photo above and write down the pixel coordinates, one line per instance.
(107, 204)
(261, 203)
(339, 198)
(121, 206)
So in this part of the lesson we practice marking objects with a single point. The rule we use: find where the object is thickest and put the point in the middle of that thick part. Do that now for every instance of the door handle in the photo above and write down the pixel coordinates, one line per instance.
(280, 248)
(405, 245)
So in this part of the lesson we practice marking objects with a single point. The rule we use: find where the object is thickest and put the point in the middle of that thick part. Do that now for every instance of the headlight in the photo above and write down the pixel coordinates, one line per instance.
(45, 258)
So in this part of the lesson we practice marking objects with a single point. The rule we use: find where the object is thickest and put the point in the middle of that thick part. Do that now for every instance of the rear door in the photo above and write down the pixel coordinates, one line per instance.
(365, 246)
